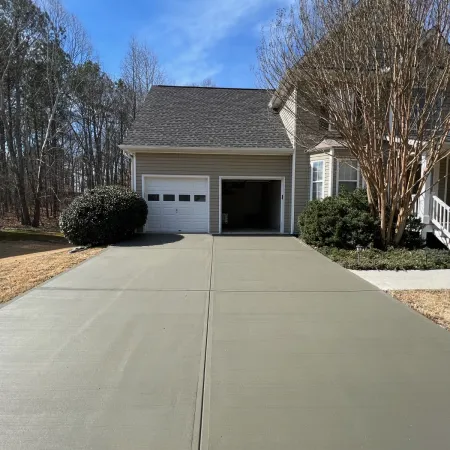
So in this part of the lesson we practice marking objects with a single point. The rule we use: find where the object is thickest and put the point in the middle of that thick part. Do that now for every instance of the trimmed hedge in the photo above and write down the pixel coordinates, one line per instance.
(104, 215)
(344, 221)
(392, 259)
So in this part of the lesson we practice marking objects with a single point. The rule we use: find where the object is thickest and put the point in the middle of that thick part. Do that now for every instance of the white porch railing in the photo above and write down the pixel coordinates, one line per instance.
(440, 215)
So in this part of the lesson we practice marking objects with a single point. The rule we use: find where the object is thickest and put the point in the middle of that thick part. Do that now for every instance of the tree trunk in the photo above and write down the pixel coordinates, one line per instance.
(26, 220)
(37, 211)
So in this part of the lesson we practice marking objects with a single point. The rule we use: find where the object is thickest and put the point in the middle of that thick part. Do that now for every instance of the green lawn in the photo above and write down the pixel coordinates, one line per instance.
(394, 259)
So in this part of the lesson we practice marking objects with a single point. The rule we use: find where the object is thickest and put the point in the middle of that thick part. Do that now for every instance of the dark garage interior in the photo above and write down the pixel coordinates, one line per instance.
(251, 206)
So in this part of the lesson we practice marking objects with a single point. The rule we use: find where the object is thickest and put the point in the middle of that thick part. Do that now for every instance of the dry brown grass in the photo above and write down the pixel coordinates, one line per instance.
(432, 304)
(25, 264)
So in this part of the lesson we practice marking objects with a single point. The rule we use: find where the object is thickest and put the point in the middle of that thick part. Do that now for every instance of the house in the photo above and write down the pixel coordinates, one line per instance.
(221, 160)
(214, 160)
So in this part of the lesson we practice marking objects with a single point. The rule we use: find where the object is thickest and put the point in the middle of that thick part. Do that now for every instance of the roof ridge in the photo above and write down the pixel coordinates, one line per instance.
(208, 87)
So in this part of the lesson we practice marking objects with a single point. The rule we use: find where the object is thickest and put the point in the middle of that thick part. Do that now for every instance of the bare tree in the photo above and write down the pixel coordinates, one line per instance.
(63, 47)
(140, 70)
(378, 72)
(207, 82)
(20, 23)
(61, 116)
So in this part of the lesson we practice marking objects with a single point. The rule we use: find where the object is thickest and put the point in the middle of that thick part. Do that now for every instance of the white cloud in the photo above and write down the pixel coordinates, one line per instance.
(195, 27)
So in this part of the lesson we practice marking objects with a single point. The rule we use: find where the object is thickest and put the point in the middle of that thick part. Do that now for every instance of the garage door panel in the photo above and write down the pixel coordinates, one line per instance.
(177, 210)
(183, 210)
(169, 211)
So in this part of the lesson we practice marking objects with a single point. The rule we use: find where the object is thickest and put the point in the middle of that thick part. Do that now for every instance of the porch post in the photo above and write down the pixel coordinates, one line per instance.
(425, 197)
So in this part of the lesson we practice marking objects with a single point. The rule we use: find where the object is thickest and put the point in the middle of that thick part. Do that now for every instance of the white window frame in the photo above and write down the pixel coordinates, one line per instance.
(311, 179)
(358, 173)
(331, 127)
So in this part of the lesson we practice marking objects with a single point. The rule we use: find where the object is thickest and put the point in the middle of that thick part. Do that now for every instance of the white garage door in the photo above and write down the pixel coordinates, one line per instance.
(177, 204)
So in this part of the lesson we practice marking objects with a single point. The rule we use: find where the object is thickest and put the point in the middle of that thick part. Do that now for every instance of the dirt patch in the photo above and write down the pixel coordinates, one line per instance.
(25, 264)
(432, 304)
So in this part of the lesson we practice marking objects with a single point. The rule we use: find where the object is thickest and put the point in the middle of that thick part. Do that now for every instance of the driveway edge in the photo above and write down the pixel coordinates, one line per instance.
(18, 297)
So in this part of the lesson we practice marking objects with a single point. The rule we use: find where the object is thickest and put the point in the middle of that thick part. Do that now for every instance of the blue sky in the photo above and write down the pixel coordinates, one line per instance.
(194, 39)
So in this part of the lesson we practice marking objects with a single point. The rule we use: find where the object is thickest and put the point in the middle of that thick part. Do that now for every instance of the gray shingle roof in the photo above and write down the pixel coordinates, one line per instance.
(175, 116)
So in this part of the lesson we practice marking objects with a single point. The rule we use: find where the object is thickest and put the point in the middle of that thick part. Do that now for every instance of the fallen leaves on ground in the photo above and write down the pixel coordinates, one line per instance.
(25, 264)
(432, 304)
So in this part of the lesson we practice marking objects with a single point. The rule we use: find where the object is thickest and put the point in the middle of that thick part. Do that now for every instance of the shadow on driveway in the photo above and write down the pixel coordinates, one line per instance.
(150, 240)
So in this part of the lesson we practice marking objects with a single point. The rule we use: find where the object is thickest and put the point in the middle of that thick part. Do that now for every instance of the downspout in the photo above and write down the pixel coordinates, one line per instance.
(132, 171)
(294, 165)
(133, 180)
(294, 161)
(330, 177)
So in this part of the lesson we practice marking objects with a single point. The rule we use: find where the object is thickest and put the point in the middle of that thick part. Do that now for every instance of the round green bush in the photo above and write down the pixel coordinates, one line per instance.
(103, 215)
(344, 221)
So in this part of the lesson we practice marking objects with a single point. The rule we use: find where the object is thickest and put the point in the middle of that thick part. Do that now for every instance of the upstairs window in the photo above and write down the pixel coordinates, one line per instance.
(423, 112)
(342, 104)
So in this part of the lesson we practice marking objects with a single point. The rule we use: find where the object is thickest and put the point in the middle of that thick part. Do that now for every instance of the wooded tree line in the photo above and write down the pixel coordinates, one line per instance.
(61, 115)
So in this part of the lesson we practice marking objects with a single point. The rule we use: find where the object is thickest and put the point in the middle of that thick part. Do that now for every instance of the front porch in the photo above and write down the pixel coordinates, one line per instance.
(432, 205)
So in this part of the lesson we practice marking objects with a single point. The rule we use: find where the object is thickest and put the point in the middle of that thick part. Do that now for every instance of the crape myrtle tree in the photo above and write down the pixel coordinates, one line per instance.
(378, 72)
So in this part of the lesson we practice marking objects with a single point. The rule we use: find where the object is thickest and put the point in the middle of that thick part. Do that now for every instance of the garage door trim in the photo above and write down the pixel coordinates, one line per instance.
(204, 177)
(244, 178)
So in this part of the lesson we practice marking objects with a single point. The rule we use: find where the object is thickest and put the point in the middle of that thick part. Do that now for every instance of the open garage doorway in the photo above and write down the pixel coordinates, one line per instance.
(251, 205)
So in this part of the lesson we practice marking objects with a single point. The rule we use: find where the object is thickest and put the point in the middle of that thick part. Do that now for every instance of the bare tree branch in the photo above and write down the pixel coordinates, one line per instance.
(378, 72)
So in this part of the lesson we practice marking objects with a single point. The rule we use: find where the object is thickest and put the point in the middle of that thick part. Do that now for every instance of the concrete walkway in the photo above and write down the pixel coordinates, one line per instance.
(226, 343)
(403, 280)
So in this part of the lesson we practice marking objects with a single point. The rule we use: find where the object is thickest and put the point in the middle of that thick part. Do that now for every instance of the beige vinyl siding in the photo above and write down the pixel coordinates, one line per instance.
(325, 157)
(215, 166)
(304, 123)
(302, 182)
(288, 114)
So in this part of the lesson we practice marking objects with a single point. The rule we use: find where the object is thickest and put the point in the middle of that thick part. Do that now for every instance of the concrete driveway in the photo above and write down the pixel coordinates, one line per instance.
(225, 343)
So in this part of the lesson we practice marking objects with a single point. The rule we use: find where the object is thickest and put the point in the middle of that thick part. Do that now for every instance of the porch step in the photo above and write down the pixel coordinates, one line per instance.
(440, 218)
(442, 236)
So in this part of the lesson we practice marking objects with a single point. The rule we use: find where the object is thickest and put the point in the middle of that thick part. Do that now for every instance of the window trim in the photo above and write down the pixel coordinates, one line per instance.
(149, 195)
(358, 173)
(311, 179)
(171, 195)
(199, 201)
